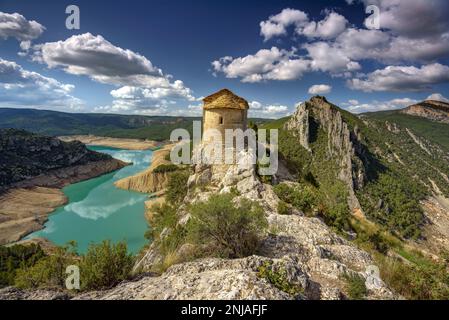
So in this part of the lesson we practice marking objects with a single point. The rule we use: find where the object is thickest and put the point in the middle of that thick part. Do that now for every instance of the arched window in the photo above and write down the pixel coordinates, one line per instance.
(220, 120)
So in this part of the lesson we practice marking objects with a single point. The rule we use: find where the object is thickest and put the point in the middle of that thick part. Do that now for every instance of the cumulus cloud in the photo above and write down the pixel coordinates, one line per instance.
(356, 107)
(402, 78)
(266, 64)
(320, 89)
(94, 56)
(17, 26)
(271, 111)
(23, 88)
(277, 25)
(437, 97)
(328, 28)
(144, 88)
(334, 46)
(413, 18)
(327, 58)
(149, 100)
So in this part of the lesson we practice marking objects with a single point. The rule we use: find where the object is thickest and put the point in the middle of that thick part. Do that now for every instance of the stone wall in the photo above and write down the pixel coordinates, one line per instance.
(222, 119)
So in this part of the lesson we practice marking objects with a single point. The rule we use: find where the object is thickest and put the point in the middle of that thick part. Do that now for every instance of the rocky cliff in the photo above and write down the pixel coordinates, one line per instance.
(429, 109)
(310, 254)
(24, 155)
(149, 181)
(343, 141)
(33, 170)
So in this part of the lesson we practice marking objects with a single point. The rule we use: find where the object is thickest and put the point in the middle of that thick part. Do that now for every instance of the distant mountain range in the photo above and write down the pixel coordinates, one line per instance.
(56, 123)
(430, 109)
(429, 119)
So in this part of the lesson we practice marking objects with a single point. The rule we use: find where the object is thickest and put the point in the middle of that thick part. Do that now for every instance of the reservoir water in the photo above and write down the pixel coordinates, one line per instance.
(98, 211)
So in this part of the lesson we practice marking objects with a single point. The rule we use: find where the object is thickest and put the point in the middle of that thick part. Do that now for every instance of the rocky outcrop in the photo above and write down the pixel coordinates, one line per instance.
(24, 155)
(310, 254)
(149, 181)
(25, 206)
(33, 169)
(429, 109)
(343, 147)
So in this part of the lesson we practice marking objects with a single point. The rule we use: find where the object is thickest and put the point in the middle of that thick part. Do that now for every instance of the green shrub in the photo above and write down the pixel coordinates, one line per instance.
(301, 197)
(104, 265)
(16, 257)
(355, 286)
(169, 167)
(401, 211)
(177, 187)
(48, 272)
(278, 278)
(418, 279)
(225, 229)
(283, 208)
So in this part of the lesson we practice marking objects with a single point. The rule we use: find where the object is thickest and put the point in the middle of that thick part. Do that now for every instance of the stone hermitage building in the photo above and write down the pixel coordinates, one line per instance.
(224, 110)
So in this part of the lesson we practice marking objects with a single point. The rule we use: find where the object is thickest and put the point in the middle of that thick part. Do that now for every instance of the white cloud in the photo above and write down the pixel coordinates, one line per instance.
(402, 78)
(255, 105)
(333, 46)
(271, 111)
(129, 98)
(277, 25)
(94, 56)
(328, 28)
(356, 107)
(23, 88)
(320, 89)
(17, 26)
(144, 88)
(266, 64)
(413, 18)
(438, 97)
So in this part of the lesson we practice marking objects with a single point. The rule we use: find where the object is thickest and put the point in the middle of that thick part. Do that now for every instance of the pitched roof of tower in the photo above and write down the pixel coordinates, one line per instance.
(225, 99)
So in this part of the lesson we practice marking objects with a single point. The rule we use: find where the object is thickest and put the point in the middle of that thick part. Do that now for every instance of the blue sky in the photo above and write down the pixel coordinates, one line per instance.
(162, 57)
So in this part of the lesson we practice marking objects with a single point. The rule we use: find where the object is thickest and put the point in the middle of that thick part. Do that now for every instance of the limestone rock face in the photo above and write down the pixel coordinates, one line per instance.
(24, 155)
(430, 109)
(344, 145)
(11, 293)
(311, 256)
(149, 181)
(204, 279)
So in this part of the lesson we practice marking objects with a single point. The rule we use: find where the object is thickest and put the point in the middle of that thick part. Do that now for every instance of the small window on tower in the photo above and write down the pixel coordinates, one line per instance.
(220, 120)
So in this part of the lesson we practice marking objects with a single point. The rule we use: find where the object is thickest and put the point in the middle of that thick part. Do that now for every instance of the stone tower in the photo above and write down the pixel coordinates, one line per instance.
(224, 110)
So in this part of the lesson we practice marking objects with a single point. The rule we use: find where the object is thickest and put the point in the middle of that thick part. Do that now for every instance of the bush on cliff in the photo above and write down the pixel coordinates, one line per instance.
(105, 265)
(16, 257)
(163, 168)
(177, 186)
(48, 272)
(224, 228)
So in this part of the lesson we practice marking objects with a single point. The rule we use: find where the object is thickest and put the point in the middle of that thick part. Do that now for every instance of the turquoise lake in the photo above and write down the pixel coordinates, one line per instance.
(98, 211)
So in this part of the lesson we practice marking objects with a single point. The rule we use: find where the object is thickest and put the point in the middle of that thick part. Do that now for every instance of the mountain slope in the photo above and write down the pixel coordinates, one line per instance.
(436, 132)
(387, 167)
(429, 109)
(111, 125)
(55, 123)
(24, 155)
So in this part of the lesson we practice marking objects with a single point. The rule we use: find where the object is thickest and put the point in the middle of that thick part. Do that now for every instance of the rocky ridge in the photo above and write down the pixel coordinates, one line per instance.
(344, 144)
(429, 109)
(33, 170)
(310, 254)
(149, 181)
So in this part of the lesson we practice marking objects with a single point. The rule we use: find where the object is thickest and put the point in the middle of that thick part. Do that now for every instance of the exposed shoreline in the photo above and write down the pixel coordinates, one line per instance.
(120, 143)
(26, 205)
(148, 181)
